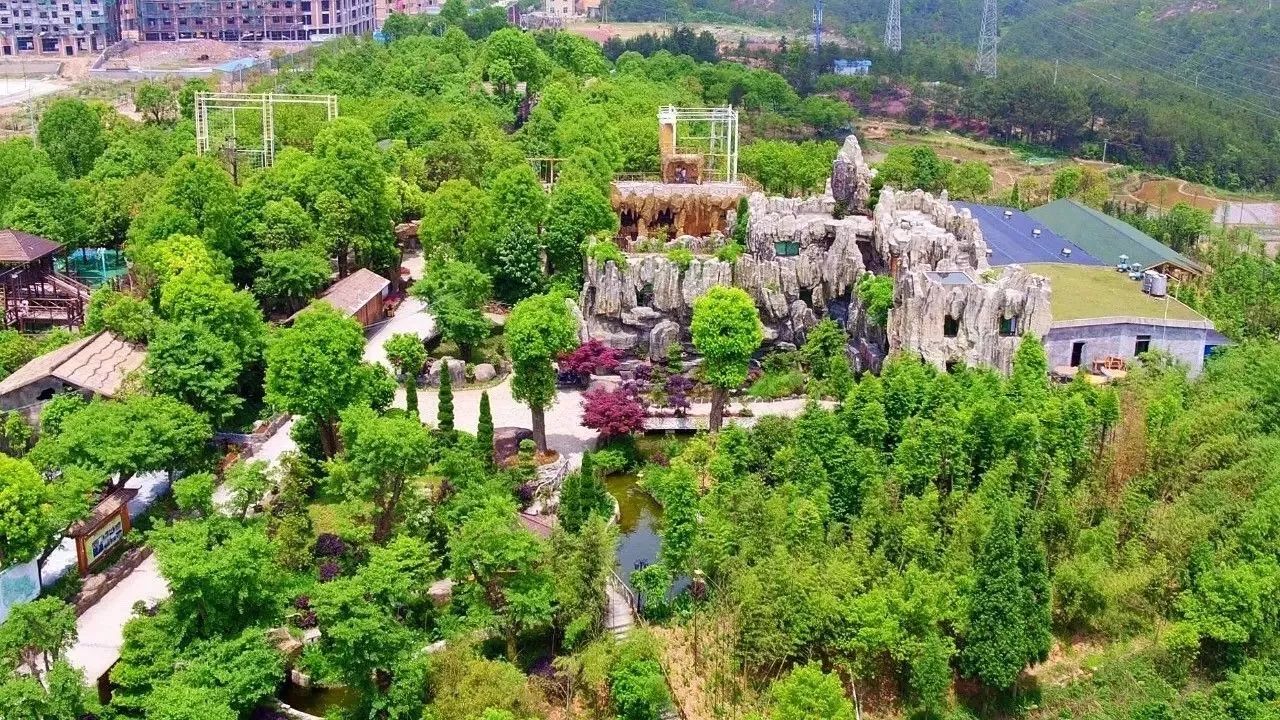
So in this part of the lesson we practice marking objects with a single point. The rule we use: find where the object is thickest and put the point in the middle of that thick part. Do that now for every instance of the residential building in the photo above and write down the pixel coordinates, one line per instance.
(572, 8)
(382, 9)
(58, 27)
(852, 67)
(234, 20)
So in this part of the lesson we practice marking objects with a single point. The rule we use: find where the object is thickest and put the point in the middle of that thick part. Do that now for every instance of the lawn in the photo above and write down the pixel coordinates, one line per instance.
(1081, 292)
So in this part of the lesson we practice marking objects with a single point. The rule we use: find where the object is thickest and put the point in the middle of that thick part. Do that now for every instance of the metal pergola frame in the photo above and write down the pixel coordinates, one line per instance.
(262, 102)
(719, 145)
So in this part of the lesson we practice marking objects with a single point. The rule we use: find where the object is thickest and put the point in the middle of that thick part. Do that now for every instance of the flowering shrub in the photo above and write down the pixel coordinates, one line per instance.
(329, 570)
(591, 357)
(329, 545)
(613, 412)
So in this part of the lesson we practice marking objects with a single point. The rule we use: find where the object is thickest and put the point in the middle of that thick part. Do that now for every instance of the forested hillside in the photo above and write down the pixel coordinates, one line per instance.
(1230, 46)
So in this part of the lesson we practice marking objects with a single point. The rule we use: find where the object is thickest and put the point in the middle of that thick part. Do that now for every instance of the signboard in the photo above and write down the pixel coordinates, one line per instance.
(104, 539)
(18, 584)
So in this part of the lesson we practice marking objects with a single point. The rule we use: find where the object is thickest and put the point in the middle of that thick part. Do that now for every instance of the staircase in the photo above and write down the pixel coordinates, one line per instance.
(620, 617)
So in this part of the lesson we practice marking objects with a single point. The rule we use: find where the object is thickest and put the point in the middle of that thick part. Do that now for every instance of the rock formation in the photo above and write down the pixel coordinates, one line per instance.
(803, 260)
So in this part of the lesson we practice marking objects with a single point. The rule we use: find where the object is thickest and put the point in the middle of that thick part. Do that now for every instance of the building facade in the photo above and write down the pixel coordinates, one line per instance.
(383, 9)
(253, 20)
(58, 27)
(572, 8)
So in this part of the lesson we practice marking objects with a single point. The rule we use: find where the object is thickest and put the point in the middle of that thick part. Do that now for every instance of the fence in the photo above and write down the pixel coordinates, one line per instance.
(18, 584)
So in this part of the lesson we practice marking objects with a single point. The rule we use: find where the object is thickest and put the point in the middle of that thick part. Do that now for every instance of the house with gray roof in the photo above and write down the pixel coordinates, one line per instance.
(92, 366)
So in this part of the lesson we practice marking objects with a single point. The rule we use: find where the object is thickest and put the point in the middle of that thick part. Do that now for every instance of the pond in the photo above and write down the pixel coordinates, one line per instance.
(639, 524)
(318, 701)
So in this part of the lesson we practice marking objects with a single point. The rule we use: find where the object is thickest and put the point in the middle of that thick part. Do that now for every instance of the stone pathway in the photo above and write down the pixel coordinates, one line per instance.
(101, 628)
(620, 616)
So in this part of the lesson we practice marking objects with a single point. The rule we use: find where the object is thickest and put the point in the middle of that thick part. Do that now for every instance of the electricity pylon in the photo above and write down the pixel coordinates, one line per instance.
(893, 27)
(989, 39)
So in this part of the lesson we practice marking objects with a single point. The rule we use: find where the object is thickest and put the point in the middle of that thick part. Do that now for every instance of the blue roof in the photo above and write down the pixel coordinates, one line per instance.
(1013, 240)
(231, 66)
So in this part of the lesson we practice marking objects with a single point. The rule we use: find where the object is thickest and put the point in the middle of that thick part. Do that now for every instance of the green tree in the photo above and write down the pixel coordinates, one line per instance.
(175, 700)
(187, 96)
(248, 482)
(578, 211)
(194, 494)
(155, 102)
(288, 278)
(189, 363)
(407, 356)
(970, 181)
(312, 368)
(222, 576)
(484, 430)
(808, 693)
(455, 221)
(518, 263)
(517, 199)
(349, 164)
(726, 330)
(538, 330)
(37, 634)
(125, 315)
(500, 564)
(444, 408)
(71, 133)
(120, 438)
(908, 167)
(385, 454)
(582, 496)
(528, 64)
(995, 644)
(456, 292)
(17, 433)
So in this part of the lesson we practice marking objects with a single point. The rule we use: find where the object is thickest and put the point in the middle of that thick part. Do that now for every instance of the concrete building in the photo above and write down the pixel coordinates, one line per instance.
(1112, 240)
(234, 20)
(572, 8)
(382, 9)
(57, 27)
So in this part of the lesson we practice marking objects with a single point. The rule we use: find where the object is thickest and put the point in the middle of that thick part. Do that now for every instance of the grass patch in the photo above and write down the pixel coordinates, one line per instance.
(775, 385)
(1081, 292)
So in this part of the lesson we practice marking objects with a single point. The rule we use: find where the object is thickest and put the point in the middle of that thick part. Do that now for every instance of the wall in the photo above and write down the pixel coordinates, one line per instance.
(27, 398)
(1117, 339)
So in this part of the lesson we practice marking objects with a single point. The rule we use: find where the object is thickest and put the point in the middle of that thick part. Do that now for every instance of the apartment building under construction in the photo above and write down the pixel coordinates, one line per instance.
(252, 20)
(57, 27)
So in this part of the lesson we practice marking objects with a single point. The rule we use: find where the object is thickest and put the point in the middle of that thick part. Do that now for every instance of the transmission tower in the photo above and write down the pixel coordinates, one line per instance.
(817, 24)
(989, 39)
(893, 27)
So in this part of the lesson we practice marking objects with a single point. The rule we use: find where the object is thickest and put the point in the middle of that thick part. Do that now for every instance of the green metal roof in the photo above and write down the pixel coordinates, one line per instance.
(1107, 238)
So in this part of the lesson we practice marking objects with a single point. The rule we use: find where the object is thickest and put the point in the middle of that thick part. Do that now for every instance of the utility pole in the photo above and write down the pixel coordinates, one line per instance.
(893, 27)
(1104, 148)
(817, 25)
(1055, 73)
(988, 39)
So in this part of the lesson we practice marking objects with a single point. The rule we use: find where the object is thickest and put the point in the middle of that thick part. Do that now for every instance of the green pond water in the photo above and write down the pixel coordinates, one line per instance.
(639, 524)
(318, 701)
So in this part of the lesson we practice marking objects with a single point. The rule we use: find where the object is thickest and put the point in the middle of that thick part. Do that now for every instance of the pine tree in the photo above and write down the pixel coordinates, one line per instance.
(1037, 614)
(444, 418)
(484, 430)
(582, 496)
(411, 396)
(741, 223)
(996, 645)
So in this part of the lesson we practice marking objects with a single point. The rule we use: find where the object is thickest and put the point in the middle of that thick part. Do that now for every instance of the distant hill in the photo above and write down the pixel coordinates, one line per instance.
(1232, 45)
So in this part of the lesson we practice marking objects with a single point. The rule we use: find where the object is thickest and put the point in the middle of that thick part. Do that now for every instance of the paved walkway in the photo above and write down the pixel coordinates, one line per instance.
(620, 616)
(101, 628)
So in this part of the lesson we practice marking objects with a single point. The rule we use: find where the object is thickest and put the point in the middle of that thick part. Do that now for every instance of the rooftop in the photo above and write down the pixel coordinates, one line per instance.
(1013, 238)
(354, 291)
(17, 247)
(1085, 293)
(1107, 238)
(98, 363)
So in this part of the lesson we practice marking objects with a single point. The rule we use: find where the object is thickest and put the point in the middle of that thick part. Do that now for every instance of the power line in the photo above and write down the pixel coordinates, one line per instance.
(1108, 47)
(1185, 50)
(989, 40)
(893, 27)
(1079, 37)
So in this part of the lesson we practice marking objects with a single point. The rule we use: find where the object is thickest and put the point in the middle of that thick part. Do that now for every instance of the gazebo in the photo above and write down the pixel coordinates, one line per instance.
(34, 293)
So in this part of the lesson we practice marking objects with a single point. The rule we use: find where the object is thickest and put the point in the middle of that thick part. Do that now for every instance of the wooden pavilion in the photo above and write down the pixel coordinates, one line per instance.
(35, 294)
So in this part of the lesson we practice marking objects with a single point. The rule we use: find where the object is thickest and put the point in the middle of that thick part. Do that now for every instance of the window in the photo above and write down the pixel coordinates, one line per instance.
(950, 327)
(1142, 345)
(786, 249)
(1009, 326)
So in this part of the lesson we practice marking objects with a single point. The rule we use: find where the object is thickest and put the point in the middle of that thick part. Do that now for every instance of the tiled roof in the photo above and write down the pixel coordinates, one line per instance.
(354, 291)
(1107, 238)
(19, 247)
(98, 363)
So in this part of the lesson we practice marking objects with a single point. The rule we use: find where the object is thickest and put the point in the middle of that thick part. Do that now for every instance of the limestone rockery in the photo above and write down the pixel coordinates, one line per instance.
(803, 261)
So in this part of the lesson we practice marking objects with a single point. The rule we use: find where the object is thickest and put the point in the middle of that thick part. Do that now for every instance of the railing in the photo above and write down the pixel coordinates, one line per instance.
(626, 592)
